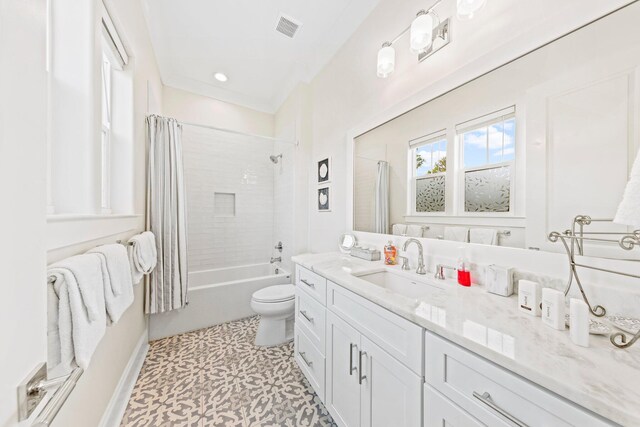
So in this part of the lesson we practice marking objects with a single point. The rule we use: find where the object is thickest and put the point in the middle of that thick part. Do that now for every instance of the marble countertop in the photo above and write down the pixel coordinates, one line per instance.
(601, 378)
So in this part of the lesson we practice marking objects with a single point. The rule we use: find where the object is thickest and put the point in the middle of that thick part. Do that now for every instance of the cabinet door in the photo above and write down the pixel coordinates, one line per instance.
(343, 389)
(441, 412)
(391, 392)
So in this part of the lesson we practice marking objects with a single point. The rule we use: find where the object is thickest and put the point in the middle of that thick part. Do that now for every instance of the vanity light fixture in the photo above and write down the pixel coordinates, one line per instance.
(466, 9)
(421, 34)
(386, 60)
(221, 77)
(427, 35)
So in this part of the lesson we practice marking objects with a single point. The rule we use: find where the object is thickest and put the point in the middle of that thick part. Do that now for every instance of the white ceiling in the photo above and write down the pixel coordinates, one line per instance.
(192, 39)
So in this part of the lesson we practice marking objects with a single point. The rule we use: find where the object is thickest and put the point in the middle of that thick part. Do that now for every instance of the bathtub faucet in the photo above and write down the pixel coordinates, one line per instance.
(278, 259)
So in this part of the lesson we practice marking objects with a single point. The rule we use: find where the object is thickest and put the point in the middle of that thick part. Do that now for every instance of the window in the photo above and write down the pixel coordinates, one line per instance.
(488, 154)
(105, 141)
(429, 166)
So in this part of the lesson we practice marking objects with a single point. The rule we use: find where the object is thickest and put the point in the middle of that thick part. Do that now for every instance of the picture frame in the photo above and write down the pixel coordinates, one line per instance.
(324, 199)
(324, 171)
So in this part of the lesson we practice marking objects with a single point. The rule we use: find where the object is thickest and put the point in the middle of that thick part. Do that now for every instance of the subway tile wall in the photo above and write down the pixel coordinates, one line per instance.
(215, 162)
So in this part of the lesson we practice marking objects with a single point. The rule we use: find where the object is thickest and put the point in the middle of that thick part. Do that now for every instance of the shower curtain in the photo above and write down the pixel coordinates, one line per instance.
(382, 198)
(166, 215)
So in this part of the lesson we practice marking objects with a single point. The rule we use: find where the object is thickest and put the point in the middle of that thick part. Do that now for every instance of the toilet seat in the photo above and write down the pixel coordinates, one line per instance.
(274, 294)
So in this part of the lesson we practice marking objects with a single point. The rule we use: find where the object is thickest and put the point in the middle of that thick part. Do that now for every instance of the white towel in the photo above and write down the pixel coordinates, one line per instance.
(483, 236)
(77, 319)
(117, 276)
(143, 255)
(399, 229)
(628, 212)
(457, 234)
(415, 230)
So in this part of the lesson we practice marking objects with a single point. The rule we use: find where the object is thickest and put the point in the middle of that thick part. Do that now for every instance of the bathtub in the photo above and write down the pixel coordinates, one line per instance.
(217, 296)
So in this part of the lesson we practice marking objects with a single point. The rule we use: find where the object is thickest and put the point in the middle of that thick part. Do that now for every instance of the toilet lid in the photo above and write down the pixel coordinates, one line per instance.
(277, 293)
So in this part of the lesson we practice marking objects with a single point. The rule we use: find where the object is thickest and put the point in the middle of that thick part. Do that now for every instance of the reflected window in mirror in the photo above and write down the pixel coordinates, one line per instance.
(428, 157)
(487, 146)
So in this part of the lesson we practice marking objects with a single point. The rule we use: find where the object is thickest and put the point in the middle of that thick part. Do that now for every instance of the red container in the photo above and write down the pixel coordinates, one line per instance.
(464, 278)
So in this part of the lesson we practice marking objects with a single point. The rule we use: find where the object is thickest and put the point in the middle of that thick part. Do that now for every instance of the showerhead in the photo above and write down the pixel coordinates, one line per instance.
(274, 159)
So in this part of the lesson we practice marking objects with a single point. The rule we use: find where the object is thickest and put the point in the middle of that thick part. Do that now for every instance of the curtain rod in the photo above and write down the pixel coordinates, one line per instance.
(235, 132)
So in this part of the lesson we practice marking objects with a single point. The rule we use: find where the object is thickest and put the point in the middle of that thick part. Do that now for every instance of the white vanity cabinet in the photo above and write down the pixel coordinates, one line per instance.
(372, 358)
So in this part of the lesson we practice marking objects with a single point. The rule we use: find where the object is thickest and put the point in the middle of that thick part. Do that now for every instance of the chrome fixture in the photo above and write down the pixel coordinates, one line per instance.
(420, 269)
(279, 247)
(274, 159)
(276, 259)
(405, 262)
(573, 241)
(440, 268)
(427, 35)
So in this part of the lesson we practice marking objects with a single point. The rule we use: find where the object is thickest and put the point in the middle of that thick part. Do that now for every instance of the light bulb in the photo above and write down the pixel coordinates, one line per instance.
(421, 32)
(386, 60)
(467, 8)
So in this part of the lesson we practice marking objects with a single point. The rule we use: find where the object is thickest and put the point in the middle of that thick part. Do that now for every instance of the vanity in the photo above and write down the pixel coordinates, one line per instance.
(386, 347)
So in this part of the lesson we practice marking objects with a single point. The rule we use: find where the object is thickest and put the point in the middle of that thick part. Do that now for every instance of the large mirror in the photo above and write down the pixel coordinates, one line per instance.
(515, 154)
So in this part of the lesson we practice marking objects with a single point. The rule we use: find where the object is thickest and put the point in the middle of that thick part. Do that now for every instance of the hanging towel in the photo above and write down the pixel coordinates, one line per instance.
(457, 234)
(628, 212)
(483, 236)
(381, 214)
(415, 230)
(143, 255)
(399, 229)
(78, 316)
(117, 277)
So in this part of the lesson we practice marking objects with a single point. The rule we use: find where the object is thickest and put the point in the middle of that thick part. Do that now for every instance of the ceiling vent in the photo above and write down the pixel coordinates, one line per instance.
(287, 26)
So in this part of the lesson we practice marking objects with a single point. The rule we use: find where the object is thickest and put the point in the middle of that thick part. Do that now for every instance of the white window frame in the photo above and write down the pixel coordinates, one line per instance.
(413, 178)
(480, 122)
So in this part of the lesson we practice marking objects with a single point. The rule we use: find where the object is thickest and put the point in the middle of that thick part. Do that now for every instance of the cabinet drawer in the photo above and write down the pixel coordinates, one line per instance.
(312, 283)
(310, 316)
(397, 336)
(440, 411)
(310, 361)
(489, 392)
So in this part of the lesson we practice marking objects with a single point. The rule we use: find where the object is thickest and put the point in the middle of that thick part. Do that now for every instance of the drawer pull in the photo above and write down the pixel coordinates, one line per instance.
(304, 314)
(311, 285)
(486, 399)
(361, 377)
(308, 362)
(351, 367)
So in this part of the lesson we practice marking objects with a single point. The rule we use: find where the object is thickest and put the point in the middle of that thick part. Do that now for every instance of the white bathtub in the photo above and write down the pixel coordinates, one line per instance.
(217, 296)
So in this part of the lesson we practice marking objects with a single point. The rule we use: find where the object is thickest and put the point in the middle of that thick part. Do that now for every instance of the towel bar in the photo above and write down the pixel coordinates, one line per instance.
(53, 406)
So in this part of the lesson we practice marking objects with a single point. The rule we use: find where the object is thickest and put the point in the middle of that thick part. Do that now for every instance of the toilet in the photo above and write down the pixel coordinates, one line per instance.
(276, 307)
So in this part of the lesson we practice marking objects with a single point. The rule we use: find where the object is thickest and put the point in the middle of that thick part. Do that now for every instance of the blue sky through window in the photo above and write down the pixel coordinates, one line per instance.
(430, 154)
(494, 143)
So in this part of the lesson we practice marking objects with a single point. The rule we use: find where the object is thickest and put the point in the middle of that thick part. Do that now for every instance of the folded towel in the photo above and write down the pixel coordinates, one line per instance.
(78, 310)
(457, 234)
(415, 230)
(143, 255)
(483, 236)
(117, 277)
(399, 229)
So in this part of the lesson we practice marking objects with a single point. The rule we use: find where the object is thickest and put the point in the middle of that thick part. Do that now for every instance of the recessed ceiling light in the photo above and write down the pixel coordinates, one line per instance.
(221, 77)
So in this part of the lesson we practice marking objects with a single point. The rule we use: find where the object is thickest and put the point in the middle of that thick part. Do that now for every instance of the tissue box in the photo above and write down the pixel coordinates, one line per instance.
(499, 280)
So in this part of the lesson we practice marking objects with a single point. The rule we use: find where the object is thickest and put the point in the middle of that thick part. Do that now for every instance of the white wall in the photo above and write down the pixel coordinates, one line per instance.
(22, 185)
(189, 107)
(348, 99)
(72, 235)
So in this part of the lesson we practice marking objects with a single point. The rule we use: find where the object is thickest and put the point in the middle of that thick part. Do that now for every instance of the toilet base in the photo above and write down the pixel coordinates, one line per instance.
(274, 331)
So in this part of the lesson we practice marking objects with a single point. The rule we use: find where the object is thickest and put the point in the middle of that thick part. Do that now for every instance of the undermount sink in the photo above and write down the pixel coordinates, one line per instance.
(399, 283)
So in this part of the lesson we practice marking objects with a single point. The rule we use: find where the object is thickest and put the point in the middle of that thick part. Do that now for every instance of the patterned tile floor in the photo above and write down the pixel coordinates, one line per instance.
(217, 377)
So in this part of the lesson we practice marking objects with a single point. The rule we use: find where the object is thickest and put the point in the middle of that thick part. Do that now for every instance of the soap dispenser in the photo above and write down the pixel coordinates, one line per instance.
(390, 253)
(464, 275)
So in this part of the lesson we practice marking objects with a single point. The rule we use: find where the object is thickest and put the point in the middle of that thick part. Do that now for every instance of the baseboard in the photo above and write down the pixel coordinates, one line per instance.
(118, 403)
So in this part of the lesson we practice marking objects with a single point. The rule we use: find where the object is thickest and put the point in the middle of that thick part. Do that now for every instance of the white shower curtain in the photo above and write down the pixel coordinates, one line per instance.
(166, 215)
(382, 198)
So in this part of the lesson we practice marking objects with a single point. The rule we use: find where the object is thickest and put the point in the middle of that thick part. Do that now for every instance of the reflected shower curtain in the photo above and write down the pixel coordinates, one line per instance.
(382, 199)
(166, 216)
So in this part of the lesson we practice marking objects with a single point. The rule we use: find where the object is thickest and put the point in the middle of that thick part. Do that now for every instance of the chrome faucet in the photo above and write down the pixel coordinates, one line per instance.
(277, 259)
(405, 262)
(440, 271)
(420, 269)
